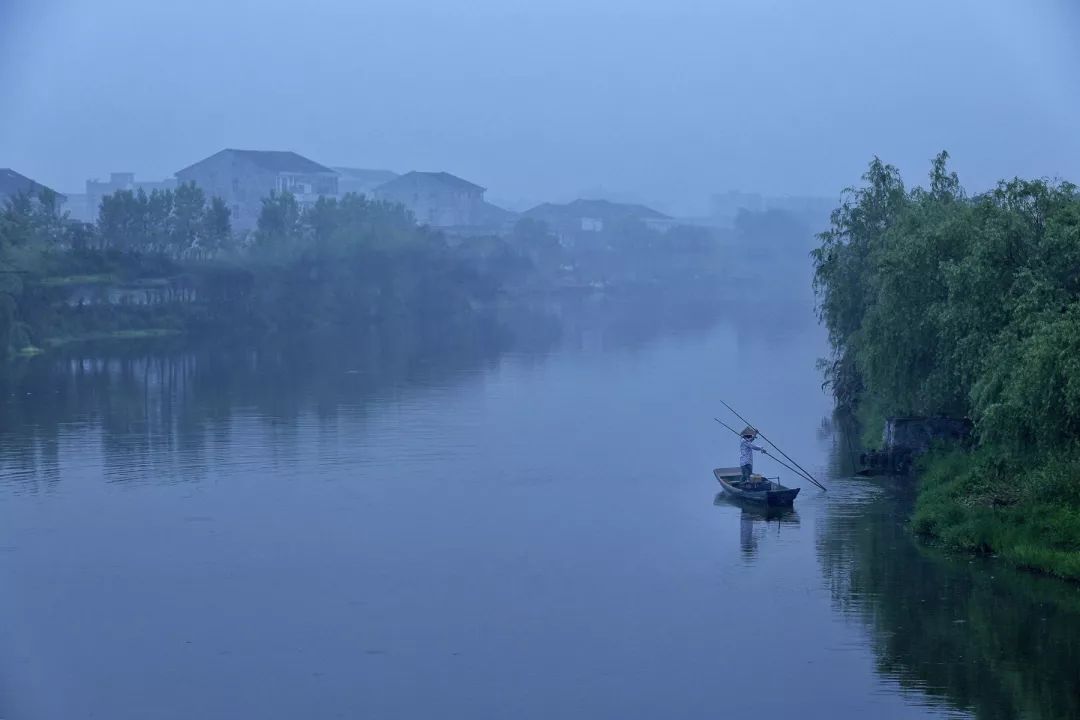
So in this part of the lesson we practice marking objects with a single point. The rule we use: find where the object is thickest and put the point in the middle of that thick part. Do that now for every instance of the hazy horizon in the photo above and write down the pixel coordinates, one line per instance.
(663, 103)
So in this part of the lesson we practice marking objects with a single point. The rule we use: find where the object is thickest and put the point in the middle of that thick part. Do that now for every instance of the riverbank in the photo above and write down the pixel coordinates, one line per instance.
(943, 304)
(993, 642)
(1028, 517)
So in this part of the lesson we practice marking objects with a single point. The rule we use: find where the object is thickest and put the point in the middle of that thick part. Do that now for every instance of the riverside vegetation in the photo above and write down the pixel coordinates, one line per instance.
(168, 263)
(941, 303)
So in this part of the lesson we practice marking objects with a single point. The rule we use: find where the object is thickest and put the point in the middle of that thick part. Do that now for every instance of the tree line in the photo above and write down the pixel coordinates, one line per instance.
(179, 222)
(337, 262)
(169, 260)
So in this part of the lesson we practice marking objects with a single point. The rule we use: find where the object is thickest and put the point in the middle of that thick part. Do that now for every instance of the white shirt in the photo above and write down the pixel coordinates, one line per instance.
(746, 456)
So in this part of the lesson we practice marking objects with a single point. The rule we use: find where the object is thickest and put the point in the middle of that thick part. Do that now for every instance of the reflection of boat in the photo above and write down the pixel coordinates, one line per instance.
(753, 514)
(786, 515)
(764, 492)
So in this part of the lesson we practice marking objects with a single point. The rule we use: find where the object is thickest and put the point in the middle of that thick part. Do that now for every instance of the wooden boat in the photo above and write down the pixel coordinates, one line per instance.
(763, 492)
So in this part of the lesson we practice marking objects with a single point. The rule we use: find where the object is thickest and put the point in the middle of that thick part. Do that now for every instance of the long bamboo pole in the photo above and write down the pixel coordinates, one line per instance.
(774, 459)
(810, 477)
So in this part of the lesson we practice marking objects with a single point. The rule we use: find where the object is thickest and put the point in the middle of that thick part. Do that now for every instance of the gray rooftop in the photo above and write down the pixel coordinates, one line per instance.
(365, 175)
(603, 209)
(440, 178)
(273, 160)
(13, 183)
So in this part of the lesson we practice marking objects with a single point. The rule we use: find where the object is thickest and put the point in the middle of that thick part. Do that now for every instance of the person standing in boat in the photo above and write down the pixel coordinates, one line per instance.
(746, 452)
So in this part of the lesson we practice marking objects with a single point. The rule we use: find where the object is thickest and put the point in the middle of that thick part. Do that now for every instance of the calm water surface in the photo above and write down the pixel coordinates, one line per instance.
(390, 530)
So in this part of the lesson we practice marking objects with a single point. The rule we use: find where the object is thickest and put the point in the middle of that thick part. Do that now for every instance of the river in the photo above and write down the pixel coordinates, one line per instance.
(520, 527)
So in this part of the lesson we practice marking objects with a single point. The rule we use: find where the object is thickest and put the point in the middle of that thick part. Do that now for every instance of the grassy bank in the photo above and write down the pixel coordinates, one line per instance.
(1028, 516)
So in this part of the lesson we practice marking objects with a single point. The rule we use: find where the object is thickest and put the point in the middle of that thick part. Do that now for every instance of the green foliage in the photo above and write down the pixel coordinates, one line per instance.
(940, 304)
(355, 261)
(30, 226)
(163, 261)
(845, 276)
(177, 223)
(188, 208)
(216, 228)
(279, 225)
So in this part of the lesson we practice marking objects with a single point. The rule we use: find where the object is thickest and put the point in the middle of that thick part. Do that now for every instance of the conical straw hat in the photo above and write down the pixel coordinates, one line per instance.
(749, 432)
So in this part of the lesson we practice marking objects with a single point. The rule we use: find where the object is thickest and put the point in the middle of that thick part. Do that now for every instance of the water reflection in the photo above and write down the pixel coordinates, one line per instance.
(755, 522)
(478, 494)
(162, 409)
(160, 412)
(971, 634)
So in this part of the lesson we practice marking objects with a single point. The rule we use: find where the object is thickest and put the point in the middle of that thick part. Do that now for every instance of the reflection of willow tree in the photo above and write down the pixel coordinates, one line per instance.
(980, 638)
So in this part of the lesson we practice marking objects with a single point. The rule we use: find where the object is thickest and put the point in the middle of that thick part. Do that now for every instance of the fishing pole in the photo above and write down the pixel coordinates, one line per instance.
(774, 459)
(727, 426)
(808, 475)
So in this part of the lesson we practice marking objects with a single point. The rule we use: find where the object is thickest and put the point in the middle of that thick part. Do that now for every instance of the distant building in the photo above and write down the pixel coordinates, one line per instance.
(361, 181)
(725, 207)
(13, 184)
(581, 218)
(815, 210)
(443, 200)
(242, 178)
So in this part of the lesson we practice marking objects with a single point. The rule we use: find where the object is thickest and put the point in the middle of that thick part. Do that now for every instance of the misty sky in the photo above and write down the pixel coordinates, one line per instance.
(664, 101)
